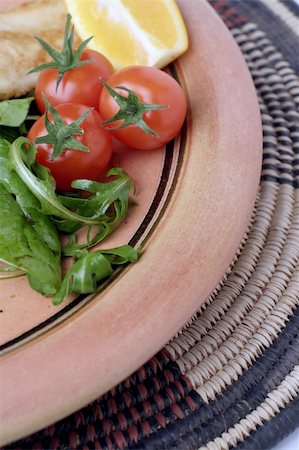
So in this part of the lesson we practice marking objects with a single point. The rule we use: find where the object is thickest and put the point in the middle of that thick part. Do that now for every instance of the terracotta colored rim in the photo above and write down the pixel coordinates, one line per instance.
(190, 247)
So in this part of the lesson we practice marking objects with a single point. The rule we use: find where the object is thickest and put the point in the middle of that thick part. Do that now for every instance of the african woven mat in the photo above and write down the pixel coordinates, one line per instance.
(230, 378)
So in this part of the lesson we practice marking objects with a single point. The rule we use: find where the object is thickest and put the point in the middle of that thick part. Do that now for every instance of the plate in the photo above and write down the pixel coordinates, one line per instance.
(196, 197)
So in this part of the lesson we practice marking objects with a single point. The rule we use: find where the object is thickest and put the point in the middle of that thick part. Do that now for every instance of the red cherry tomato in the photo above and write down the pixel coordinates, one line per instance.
(79, 85)
(154, 86)
(71, 164)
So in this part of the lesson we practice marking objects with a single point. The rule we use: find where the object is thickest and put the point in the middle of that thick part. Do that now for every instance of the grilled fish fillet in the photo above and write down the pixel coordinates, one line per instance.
(19, 51)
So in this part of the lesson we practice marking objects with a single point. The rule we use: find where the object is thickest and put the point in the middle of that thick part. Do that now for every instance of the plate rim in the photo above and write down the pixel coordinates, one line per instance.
(34, 358)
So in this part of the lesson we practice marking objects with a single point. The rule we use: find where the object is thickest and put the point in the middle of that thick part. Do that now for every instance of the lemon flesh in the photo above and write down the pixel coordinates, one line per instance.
(129, 32)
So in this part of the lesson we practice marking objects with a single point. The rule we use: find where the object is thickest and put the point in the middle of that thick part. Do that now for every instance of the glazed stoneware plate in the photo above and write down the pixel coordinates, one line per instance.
(195, 199)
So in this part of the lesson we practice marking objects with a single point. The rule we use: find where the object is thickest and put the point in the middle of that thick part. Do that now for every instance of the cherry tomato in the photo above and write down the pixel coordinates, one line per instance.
(154, 86)
(71, 164)
(79, 85)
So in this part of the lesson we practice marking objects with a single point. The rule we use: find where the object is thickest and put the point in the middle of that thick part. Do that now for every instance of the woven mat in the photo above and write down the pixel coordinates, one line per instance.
(230, 378)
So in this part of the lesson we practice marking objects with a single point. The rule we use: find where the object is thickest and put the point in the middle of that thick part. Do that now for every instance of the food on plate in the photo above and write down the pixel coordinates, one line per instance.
(70, 158)
(72, 75)
(59, 197)
(129, 32)
(32, 214)
(144, 107)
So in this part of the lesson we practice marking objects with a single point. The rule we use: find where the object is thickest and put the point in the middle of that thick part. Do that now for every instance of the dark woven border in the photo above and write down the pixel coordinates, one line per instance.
(292, 5)
(276, 30)
(271, 433)
(210, 421)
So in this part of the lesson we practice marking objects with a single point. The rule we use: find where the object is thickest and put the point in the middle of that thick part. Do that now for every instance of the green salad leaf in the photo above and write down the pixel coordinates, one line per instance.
(90, 268)
(29, 240)
(39, 181)
(32, 217)
(108, 203)
(8, 271)
(14, 112)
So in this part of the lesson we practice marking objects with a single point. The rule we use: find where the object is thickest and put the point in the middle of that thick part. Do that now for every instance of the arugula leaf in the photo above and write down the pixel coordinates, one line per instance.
(90, 268)
(122, 255)
(9, 271)
(14, 112)
(24, 244)
(102, 212)
(109, 203)
(27, 202)
(28, 239)
(9, 133)
(39, 181)
(31, 214)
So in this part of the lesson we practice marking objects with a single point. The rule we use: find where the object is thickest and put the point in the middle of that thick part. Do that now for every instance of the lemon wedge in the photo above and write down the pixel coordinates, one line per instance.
(129, 32)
